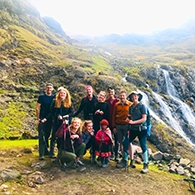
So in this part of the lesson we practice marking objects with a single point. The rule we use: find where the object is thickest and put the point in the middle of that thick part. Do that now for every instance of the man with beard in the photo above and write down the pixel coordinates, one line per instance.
(44, 125)
(119, 123)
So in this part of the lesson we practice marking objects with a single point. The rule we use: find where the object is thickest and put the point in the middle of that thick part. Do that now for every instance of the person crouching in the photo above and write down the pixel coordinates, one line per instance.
(71, 147)
(104, 142)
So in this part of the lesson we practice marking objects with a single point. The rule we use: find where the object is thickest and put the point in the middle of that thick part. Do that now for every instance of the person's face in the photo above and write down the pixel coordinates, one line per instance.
(101, 97)
(62, 94)
(111, 93)
(76, 124)
(123, 97)
(104, 127)
(49, 89)
(135, 97)
(89, 127)
(89, 91)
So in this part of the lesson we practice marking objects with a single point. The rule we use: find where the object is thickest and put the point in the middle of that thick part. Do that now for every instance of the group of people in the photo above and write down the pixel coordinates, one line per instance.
(110, 126)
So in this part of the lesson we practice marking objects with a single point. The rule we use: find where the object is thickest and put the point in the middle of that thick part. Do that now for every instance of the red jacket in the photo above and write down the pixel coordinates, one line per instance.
(103, 137)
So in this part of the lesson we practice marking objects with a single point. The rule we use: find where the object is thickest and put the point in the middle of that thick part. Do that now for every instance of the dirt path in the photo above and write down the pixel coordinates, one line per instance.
(93, 181)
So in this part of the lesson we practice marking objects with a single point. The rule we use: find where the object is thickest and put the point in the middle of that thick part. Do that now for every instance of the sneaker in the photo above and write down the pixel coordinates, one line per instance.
(80, 163)
(122, 164)
(81, 169)
(104, 165)
(116, 159)
(132, 165)
(145, 168)
(52, 156)
(41, 158)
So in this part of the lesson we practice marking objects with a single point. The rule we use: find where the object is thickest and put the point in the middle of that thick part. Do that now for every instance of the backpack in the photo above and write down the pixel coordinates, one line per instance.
(148, 122)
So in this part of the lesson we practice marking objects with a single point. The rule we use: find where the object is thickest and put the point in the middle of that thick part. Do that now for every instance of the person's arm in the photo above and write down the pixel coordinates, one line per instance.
(38, 105)
(113, 120)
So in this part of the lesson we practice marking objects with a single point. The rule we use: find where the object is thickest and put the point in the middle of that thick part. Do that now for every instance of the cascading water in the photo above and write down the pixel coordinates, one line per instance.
(187, 114)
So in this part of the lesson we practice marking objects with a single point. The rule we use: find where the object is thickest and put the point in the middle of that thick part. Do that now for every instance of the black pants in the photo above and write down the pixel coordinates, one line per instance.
(44, 131)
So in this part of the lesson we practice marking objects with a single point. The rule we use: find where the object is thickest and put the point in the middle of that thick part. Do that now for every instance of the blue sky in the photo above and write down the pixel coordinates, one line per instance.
(98, 17)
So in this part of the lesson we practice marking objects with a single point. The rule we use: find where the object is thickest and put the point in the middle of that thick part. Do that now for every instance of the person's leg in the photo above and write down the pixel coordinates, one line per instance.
(67, 157)
(116, 147)
(47, 131)
(119, 130)
(79, 151)
(143, 143)
(41, 136)
(52, 142)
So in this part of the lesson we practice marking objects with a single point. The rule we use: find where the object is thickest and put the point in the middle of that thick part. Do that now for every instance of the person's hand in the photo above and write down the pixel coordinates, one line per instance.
(131, 122)
(74, 136)
(37, 122)
(92, 133)
(127, 120)
(97, 111)
(43, 120)
(60, 117)
(101, 112)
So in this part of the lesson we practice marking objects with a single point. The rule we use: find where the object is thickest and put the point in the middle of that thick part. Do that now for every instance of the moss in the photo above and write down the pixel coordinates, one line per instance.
(11, 122)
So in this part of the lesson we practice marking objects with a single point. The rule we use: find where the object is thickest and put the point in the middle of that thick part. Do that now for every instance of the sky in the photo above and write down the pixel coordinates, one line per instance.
(99, 17)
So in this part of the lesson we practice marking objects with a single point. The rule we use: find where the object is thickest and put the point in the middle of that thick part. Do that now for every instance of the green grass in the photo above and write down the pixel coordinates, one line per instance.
(10, 144)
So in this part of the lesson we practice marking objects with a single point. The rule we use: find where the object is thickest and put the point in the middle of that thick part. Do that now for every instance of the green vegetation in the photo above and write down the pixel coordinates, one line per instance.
(11, 121)
(10, 144)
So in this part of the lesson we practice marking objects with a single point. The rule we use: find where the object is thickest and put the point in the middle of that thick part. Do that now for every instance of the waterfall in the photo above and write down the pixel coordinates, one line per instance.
(183, 107)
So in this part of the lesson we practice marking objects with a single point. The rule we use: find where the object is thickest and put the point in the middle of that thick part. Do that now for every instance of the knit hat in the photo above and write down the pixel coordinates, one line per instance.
(137, 93)
(104, 122)
(88, 87)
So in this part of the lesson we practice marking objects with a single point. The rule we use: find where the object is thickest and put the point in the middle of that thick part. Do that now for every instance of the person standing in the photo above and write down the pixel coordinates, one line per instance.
(112, 100)
(104, 141)
(119, 123)
(137, 118)
(44, 125)
(87, 104)
(61, 109)
(101, 111)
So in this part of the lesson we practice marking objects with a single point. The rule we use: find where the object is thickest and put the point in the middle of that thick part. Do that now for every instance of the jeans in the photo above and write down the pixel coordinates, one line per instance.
(142, 136)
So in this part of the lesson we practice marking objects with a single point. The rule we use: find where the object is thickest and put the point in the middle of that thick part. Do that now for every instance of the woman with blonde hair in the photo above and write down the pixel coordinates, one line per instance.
(88, 135)
(61, 110)
(71, 146)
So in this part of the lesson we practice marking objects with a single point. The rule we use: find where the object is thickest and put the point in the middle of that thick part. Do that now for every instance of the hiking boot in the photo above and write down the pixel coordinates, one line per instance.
(80, 163)
(104, 165)
(41, 158)
(132, 165)
(145, 168)
(122, 164)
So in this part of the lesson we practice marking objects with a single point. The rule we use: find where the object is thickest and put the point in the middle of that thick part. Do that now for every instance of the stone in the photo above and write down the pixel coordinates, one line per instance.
(157, 156)
(9, 174)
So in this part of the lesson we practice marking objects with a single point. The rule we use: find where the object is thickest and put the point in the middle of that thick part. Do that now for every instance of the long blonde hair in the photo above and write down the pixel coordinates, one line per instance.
(79, 130)
(86, 122)
(66, 102)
